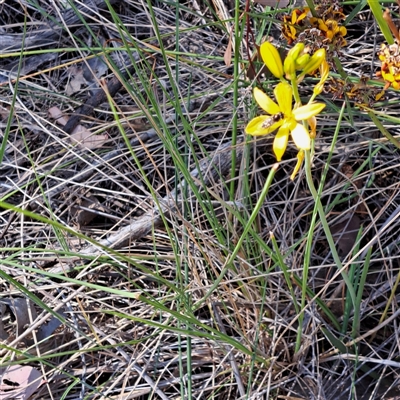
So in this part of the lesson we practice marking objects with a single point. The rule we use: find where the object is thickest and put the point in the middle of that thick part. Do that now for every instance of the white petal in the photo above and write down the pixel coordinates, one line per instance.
(301, 137)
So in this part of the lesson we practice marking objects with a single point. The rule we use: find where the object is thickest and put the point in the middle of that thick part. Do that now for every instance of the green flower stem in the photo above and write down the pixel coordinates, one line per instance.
(325, 226)
(296, 94)
(312, 98)
(307, 256)
(236, 73)
(355, 332)
(229, 262)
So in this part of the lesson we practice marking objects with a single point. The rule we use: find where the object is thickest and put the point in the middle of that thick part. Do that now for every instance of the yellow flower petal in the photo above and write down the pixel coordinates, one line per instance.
(290, 123)
(387, 76)
(312, 124)
(303, 15)
(322, 26)
(265, 102)
(330, 34)
(300, 158)
(272, 59)
(324, 71)
(301, 137)
(307, 111)
(294, 17)
(333, 25)
(280, 142)
(293, 32)
(284, 96)
(255, 126)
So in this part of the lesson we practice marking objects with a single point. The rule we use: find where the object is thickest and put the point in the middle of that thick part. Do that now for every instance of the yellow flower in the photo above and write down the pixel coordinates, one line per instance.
(292, 23)
(331, 29)
(283, 116)
(390, 70)
(325, 27)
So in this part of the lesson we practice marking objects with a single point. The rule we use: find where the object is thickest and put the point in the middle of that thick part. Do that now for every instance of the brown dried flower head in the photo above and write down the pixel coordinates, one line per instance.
(323, 31)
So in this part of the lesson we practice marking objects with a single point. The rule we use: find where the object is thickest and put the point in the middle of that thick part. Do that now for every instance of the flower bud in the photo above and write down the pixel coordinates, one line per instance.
(315, 61)
(302, 61)
(324, 72)
(296, 50)
(272, 59)
(289, 66)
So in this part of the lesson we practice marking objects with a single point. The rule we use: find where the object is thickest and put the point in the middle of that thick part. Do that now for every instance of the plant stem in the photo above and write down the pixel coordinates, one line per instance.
(256, 210)
(325, 226)
(296, 94)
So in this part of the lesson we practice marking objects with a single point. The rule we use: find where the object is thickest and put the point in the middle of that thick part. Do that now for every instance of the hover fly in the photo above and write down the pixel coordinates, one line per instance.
(273, 119)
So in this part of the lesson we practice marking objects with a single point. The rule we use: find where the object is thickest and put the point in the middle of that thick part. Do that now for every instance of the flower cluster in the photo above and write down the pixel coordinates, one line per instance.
(323, 30)
(294, 24)
(330, 27)
(282, 115)
(360, 92)
(389, 55)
